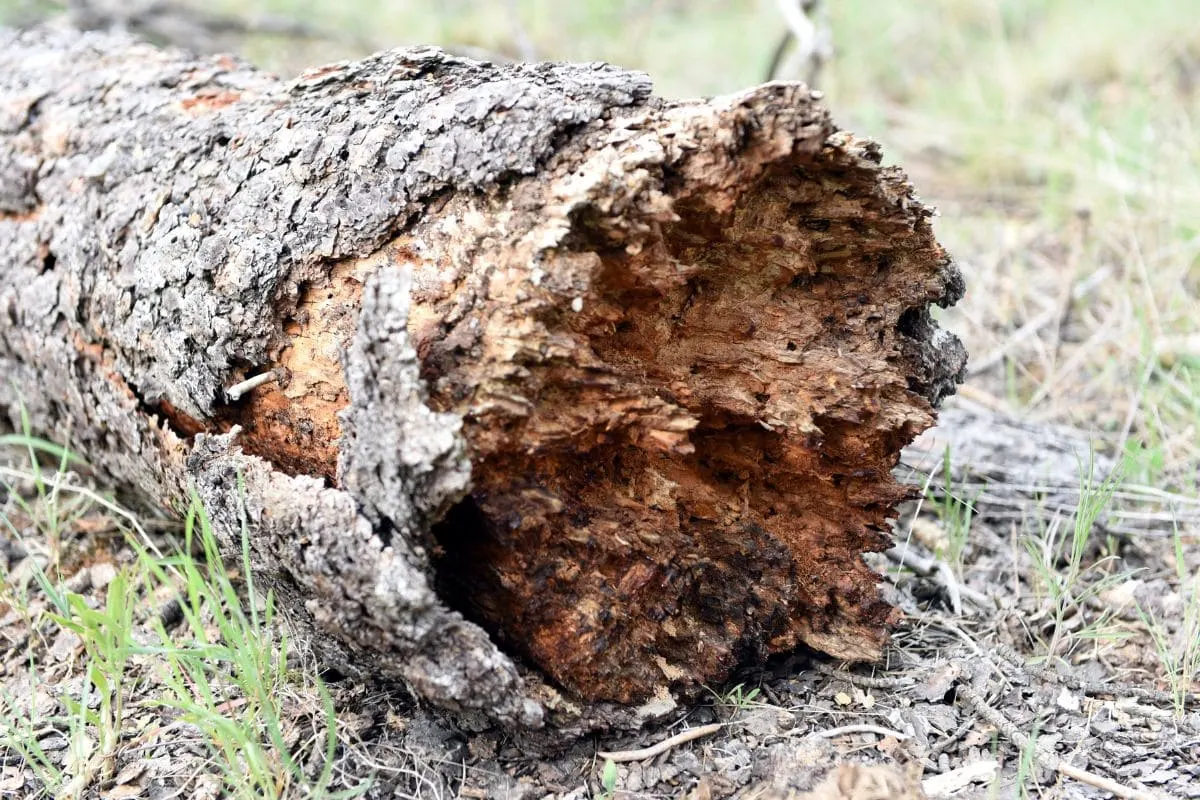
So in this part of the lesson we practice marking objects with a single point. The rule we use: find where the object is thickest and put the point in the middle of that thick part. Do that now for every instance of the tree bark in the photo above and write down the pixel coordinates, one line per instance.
(614, 382)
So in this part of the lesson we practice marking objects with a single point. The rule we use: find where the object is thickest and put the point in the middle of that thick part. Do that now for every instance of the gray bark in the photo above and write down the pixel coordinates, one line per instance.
(170, 226)
(1011, 470)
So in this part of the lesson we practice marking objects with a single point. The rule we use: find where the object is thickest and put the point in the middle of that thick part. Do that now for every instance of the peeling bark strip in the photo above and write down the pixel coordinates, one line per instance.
(622, 379)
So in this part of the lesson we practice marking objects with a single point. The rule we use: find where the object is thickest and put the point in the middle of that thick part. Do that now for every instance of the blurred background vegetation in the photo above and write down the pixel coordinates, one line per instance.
(1058, 138)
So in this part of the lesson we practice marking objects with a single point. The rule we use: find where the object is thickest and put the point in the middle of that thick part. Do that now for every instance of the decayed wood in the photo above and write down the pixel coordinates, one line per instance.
(1011, 469)
(620, 380)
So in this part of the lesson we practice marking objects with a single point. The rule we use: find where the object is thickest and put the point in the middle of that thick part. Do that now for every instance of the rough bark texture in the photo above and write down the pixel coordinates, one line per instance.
(1034, 472)
(621, 380)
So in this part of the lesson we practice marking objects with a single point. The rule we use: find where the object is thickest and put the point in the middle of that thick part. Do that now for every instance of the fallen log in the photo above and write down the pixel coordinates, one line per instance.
(521, 356)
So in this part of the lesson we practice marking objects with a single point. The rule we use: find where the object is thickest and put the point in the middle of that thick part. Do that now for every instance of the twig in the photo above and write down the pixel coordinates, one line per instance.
(1092, 688)
(940, 621)
(1101, 782)
(661, 747)
(1122, 689)
(953, 737)
(833, 733)
(235, 392)
(811, 48)
(941, 572)
(1045, 758)
(930, 568)
(777, 55)
(802, 28)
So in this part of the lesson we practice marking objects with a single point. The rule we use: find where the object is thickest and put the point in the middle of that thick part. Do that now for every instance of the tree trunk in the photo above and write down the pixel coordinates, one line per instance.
(615, 382)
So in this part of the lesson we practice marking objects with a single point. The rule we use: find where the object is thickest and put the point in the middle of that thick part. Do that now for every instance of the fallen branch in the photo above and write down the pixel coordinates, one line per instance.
(1116, 689)
(1013, 469)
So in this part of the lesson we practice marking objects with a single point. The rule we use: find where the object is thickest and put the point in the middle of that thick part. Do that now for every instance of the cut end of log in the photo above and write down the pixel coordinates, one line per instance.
(683, 393)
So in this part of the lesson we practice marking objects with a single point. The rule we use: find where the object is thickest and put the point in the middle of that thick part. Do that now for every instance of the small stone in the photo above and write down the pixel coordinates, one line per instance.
(64, 645)
(102, 574)
(686, 760)
(11, 780)
(633, 781)
(1160, 776)
(1067, 701)
(761, 722)
(53, 742)
(130, 772)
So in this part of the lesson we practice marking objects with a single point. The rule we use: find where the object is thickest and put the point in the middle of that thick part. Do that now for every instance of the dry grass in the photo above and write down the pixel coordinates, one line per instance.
(128, 668)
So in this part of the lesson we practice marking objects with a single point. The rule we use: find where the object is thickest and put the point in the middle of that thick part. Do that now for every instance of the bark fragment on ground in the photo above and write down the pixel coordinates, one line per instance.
(650, 363)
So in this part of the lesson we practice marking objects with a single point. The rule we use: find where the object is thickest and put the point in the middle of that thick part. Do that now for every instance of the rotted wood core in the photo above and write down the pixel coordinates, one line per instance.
(687, 482)
(689, 487)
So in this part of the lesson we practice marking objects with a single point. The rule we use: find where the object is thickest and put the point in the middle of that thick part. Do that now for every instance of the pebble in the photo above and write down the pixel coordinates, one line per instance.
(102, 574)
